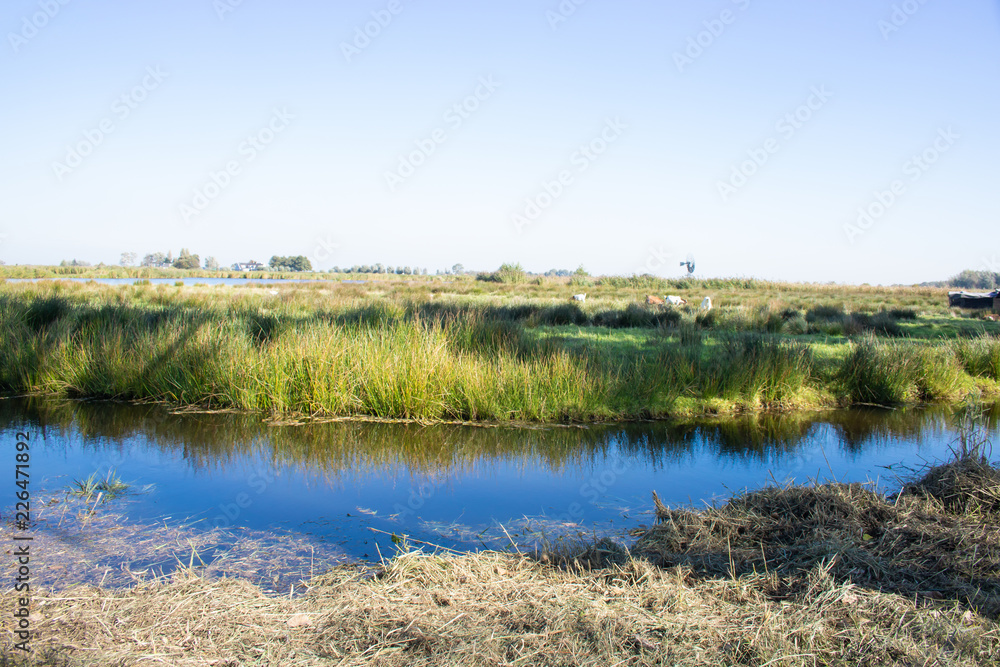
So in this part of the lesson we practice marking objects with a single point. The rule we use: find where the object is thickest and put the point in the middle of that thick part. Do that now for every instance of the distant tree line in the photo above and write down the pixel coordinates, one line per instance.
(158, 260)
(968, 279)
(188, 260)
(515, 273)
(380, 268)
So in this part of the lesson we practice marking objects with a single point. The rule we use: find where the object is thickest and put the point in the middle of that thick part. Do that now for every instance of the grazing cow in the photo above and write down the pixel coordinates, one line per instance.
(676, 300)
(706, 303)
(654, 301)
(579, 297)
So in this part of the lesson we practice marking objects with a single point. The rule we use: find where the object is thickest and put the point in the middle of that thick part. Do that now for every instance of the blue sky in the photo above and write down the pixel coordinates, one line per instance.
(851, 141)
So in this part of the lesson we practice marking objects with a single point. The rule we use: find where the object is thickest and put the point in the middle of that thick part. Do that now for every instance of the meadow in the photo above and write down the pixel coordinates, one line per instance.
(496, 348)
(830, 573)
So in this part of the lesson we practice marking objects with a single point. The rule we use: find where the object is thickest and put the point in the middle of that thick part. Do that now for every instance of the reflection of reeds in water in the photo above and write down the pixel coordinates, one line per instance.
(343, 449)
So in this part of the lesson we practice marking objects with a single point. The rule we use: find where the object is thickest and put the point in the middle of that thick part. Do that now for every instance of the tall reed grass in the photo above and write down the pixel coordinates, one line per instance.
(890, 372)
(980, 356)
(314, 351)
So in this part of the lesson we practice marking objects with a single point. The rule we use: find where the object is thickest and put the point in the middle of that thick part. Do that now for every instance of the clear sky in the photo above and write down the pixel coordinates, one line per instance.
(618, 135)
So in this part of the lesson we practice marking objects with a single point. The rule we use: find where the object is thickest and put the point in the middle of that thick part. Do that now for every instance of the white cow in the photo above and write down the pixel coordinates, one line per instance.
(706, 303)
(579, 297)
(676, 300)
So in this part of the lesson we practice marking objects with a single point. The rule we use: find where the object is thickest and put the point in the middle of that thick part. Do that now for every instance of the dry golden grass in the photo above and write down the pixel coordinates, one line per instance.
(493, 608)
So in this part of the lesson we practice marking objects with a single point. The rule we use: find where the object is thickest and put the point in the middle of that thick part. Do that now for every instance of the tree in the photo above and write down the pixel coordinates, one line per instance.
(211, 264)
(297, 263)
(128, 258)
(154, 259)
(186, 260)
(457, 269)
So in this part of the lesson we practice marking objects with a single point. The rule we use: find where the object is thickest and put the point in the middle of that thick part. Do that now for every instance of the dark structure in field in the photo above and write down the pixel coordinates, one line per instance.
(975, 299)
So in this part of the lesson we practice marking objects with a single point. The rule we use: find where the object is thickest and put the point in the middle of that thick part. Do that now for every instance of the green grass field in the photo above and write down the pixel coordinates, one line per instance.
(459, 349)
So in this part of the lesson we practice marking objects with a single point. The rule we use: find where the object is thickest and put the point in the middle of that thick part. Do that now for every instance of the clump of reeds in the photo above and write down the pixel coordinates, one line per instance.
(980, 356)
(968, 485)
(880, 372)
(321, 351)
(108, 488)
(890, 372)
(507, 273)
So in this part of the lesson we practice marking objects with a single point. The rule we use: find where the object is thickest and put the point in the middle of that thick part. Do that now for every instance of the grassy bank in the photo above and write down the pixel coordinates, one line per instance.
(436, 351)
(824, 575)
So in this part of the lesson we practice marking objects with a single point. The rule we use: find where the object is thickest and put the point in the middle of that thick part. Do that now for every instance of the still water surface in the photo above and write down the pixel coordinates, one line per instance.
(461, 487)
